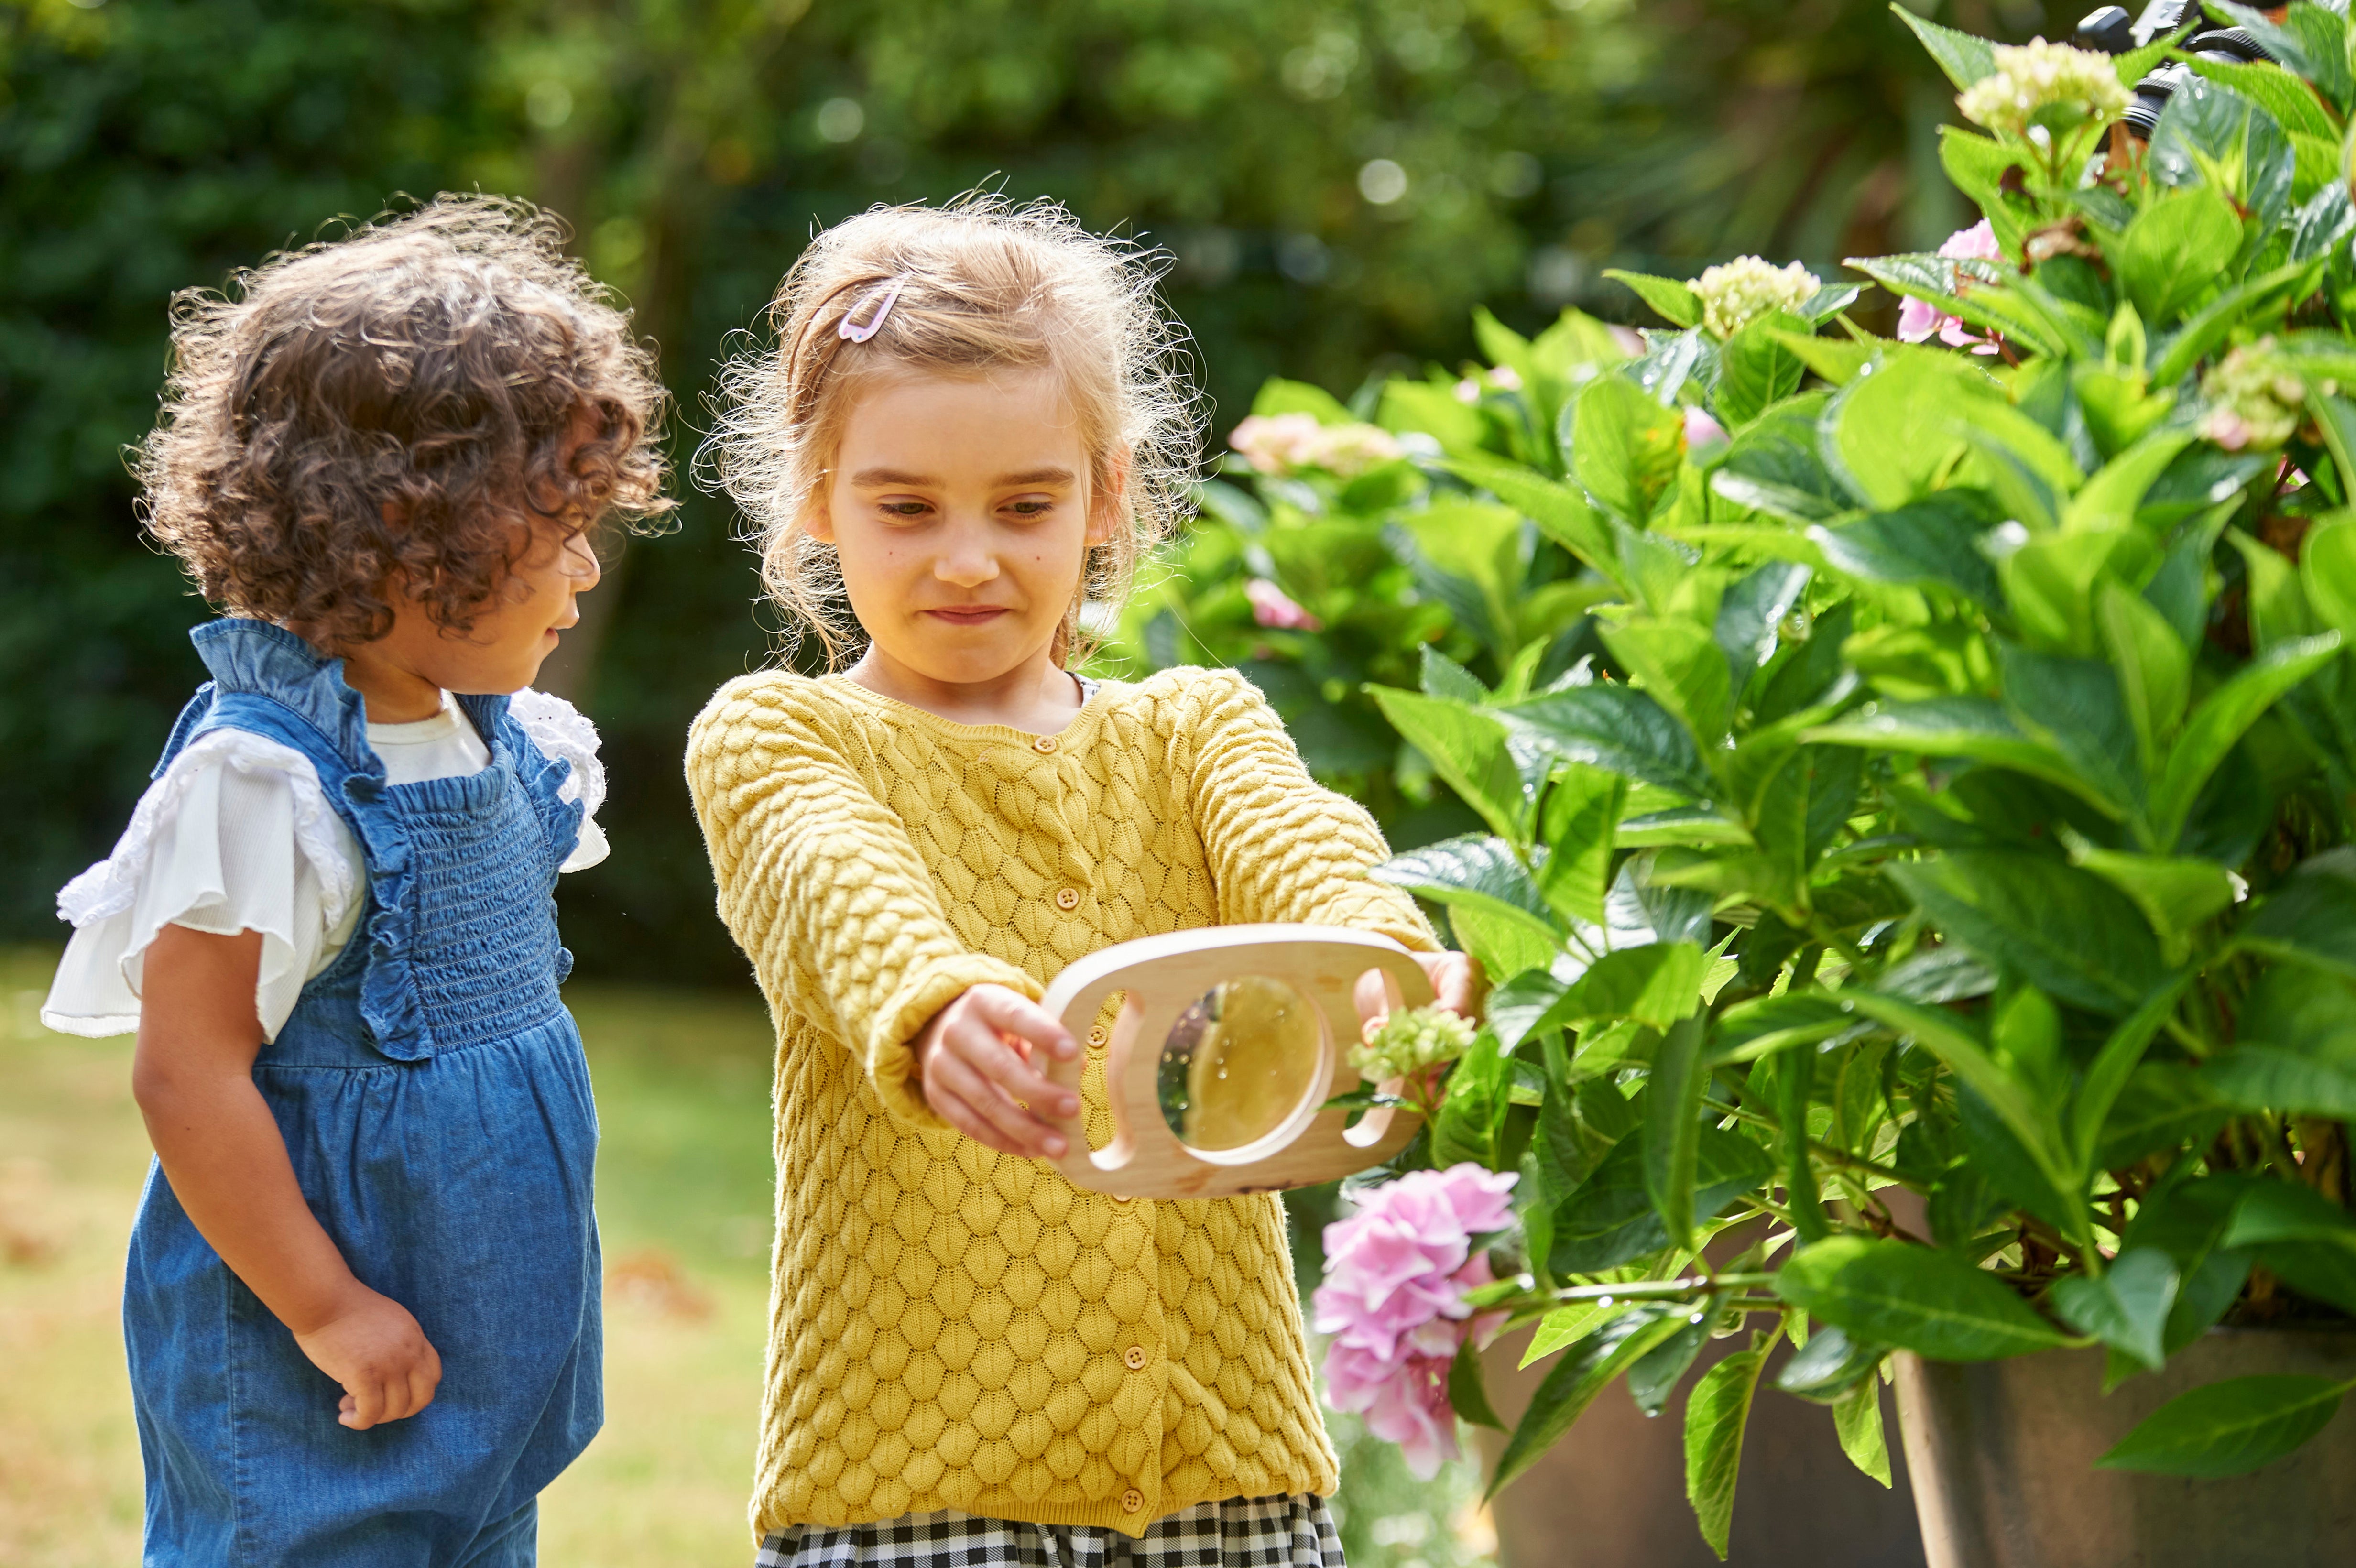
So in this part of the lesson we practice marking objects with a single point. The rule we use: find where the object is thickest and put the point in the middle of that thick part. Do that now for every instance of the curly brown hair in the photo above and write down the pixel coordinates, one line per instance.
(393, 413)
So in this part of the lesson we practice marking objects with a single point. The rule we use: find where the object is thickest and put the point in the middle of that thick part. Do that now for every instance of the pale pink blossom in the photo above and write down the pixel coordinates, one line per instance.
(1272, 606)
(1918, 319)
(1396, 1272)
(1279, 444)
(1702, 432)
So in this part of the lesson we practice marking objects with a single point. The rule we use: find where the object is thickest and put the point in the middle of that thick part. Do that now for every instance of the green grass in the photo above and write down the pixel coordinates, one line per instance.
(684, 1183)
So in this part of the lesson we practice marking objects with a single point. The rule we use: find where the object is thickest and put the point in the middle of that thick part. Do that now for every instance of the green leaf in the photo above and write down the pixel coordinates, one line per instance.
(1579, 821)
(1932, 543)
(2289, 1212)
(1857, 1420)
(2210, 133)
(2177, 894)
(2114, 493)
(1657, 985)
(1625, 447)
(1444, 679)
(2209, 326)
(1419, 406)
(2127, 1308)
(1716, 1412)
(2223, 718)
(2164, 1105)
(2176, 248)
(1756, 368)
(2074, 705)
(1560, 512)
(2312, 42)
(1567, 1325)
(1278, 396)
(1964, 58)
(1616, 728)
(1673, 1127)
(1467, 1395)
(1472, 870)
(1829, 1365)
(2285, 97)
(1961, 727)
(1891, 432)
(2311, 917)
(1682, 668)
(1675, 302)
(2326, 569)
(2063, 930)
(2114, 1068)
(1919, 1298)
(2155, 667)
(1611, 1220)
(1465, 746)
(1750, 617)
(1765, 1025)
(1656, 1374)
(1836, 359)
(1981, 168)
(1575, 1382)
(2228, 1428)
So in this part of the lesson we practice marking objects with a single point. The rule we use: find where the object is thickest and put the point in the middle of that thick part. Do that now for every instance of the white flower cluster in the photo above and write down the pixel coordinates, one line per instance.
(2039, 83)
(1279, 444)
(2255, 400)
(1747, 288)
(1410, 1041)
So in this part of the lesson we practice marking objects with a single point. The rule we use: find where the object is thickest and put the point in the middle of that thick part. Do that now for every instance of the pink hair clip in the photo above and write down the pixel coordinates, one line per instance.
(883, 297)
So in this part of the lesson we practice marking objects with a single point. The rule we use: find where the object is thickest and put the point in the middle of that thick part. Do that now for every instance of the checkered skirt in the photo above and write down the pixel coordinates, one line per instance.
(1241, 1532)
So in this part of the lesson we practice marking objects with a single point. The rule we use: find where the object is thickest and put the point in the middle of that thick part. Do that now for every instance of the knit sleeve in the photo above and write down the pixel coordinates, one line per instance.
(1281, 847)
(822, 887)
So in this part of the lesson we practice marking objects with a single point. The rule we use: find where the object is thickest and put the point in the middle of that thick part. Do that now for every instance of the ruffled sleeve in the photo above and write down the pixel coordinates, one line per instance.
(564, 733)
(236, 836)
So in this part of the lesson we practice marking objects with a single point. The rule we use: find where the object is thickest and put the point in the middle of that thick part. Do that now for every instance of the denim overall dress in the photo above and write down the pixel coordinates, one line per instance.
(431, 1089)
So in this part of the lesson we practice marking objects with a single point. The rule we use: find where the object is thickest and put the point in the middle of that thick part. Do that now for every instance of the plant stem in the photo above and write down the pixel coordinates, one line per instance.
(1660, 1289)
(1837, 1157)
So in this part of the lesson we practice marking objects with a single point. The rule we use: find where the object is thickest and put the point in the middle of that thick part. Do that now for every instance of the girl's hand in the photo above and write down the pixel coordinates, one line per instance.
(375, 1349)
(974, 1060)
(1457, 983)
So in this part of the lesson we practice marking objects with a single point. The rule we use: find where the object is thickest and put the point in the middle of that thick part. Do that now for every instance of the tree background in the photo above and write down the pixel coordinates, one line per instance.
(1338, 182)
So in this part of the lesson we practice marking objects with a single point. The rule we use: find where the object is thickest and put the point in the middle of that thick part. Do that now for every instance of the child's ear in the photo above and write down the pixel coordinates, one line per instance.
(817, 523)
(1109, 505)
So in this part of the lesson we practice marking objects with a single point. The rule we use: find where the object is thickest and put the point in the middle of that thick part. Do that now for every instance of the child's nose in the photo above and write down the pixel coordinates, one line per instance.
(966, 563)
(580, 563)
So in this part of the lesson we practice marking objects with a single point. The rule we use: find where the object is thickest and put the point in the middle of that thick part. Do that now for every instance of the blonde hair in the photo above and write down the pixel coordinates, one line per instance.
(983, 286)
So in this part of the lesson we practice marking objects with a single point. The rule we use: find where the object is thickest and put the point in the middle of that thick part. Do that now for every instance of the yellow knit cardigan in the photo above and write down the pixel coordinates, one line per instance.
(949, 1326)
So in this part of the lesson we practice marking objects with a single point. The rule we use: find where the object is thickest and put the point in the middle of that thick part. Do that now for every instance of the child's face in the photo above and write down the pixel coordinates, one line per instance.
(962, 513)
(511, 635)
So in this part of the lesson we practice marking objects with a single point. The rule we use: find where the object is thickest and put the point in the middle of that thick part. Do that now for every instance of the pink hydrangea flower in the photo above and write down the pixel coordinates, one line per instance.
(1396, 1272)
(1702, 432)
(1918, 319)
(1272, 606)
(1279, 444)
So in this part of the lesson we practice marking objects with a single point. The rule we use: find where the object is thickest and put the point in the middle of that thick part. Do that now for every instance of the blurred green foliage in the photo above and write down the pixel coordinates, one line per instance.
(1339, 181)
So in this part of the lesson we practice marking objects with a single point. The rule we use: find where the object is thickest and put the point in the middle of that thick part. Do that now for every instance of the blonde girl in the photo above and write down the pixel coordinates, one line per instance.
(970, 422)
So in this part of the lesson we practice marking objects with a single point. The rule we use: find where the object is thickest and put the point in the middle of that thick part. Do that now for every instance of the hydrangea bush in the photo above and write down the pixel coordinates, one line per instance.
(1905, 787)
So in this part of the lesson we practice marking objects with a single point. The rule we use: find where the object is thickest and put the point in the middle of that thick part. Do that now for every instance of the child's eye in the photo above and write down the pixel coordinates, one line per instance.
(1028, 510)
(906, 509)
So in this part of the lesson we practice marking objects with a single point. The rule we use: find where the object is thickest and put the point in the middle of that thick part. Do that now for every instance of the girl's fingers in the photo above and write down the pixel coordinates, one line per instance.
(987, 1051)
(1026, 1133)
(423, 1378)
(1010, 1012)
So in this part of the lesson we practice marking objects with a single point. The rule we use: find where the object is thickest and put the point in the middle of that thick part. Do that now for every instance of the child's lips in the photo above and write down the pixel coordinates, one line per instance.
(969, 614)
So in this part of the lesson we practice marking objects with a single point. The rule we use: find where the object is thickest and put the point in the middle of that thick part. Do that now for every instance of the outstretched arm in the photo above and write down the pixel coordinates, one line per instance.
(221, 1151)
(825, 890)
(1283, 847)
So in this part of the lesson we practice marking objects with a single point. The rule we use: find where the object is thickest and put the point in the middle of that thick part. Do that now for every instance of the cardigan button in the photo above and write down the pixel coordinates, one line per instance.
(1042, 744)
(1098, 1035)
(1067, 899)
(1134, 1357)
(1132, 1501)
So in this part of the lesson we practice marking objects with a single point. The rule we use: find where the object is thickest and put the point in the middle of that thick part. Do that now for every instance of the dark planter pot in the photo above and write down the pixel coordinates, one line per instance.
(1612, 1493)
(2002, 1456)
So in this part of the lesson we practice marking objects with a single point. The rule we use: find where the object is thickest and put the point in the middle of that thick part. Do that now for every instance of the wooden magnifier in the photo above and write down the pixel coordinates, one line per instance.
(1228, 1041)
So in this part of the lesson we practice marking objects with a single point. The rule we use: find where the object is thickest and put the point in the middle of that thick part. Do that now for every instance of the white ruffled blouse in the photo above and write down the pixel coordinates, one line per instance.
(238, 836)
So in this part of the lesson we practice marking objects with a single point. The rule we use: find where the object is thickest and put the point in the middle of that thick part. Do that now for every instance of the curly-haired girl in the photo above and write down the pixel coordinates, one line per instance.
(362, 1299)
(970, 423)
